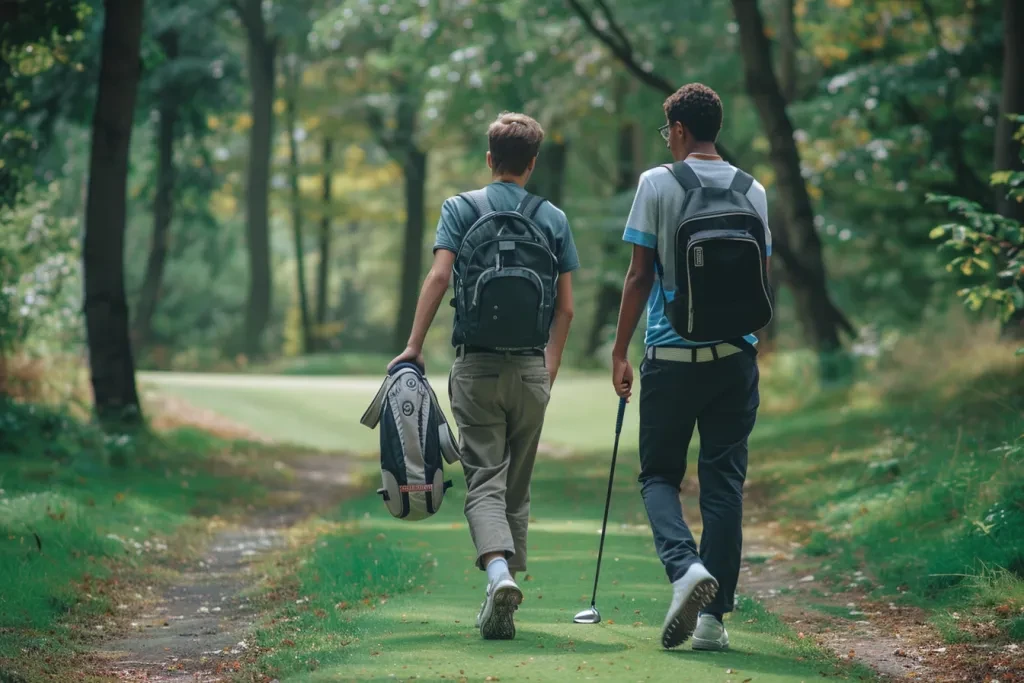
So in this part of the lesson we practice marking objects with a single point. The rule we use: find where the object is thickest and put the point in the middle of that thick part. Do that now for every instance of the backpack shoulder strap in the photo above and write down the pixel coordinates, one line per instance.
(684, 175)
(741, 182)
(477, 200)
(528, 207)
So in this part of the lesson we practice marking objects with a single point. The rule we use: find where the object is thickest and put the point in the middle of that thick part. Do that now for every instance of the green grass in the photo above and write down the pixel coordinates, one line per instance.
(325, 364)
(380, 597)
(74, 529)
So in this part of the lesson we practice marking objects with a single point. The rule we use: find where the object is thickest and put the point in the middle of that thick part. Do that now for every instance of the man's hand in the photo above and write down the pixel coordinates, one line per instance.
(553, 371)
(410, 355)
(622, 377)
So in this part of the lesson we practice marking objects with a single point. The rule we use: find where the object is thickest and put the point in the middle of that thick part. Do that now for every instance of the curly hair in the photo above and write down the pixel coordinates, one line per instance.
(513, 140)
(697, 107)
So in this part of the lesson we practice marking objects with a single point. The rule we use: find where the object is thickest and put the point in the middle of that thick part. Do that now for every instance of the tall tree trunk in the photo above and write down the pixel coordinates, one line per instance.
(324, 265)
(787, 83)
(261, 58)
(163, 203)
(798, 239)
(415, 170)
(291, 120)
(106, 309)
(350, 293)
(787, 49)
(548, 178)
(609, 292)
(1008, 150)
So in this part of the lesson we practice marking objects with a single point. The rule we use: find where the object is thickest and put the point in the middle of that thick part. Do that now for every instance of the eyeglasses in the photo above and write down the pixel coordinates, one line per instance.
(665, 131)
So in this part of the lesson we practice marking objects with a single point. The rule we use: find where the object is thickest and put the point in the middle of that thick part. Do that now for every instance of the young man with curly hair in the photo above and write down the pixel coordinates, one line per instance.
(710, 385)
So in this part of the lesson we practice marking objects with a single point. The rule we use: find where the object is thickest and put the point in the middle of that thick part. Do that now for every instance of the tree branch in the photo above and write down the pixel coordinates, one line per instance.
(614, 25)
(622, 52)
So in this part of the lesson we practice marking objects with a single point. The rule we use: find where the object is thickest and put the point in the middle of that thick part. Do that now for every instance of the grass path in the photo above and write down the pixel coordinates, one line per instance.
(383, 599)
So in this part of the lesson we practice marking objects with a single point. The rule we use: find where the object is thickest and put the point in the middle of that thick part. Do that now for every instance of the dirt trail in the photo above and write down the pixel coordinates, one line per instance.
(894, 640)
(197, 630)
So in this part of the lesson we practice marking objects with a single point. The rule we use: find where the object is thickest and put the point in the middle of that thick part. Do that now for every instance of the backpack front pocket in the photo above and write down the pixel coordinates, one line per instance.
(502, 300)
(727, 295)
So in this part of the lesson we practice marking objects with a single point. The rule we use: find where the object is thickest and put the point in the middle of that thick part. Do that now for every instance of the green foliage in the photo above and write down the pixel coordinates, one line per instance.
(986, 249)
(41, 274)
(894, 103)
(39, 39)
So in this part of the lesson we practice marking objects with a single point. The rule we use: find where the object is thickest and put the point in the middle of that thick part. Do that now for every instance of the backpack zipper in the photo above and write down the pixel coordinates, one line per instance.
(479, 280)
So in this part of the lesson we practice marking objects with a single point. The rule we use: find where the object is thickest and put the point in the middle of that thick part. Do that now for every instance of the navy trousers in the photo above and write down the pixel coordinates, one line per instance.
(720, 398)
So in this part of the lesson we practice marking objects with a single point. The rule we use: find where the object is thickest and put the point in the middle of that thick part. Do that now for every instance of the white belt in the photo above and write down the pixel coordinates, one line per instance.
(696, 355)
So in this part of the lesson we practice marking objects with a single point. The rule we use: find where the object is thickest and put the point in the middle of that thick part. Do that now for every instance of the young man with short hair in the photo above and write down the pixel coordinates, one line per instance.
(713, 385)
(513, 301)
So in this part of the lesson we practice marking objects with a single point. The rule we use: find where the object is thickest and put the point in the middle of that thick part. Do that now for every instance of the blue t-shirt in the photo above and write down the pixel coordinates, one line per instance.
(655, 217)
(457, 217)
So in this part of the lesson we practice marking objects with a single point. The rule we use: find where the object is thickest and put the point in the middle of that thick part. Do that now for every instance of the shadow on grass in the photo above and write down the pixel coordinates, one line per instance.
(527, 641)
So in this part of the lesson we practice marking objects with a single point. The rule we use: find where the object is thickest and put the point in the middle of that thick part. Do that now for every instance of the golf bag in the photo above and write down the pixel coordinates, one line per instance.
(716, 269)
(414, 437)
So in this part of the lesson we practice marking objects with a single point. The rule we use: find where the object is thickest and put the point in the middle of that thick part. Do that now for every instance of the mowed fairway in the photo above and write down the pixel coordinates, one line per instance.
(381, 599)
(324, 412)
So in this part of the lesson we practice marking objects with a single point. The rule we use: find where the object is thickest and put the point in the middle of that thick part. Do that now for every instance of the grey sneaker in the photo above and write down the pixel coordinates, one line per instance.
(710, 634)
(495, 618)
(690, 595)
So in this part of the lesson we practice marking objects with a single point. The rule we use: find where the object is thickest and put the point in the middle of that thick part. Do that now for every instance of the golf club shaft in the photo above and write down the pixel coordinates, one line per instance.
(608, 498)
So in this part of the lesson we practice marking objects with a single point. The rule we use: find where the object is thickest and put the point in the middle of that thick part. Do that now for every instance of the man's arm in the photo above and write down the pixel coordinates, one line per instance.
(559, 325)
(635, 292)
(431, 295)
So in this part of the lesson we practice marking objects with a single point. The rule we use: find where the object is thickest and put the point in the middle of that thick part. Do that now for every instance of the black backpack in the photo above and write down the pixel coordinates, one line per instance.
(716, 271)
(505, 278)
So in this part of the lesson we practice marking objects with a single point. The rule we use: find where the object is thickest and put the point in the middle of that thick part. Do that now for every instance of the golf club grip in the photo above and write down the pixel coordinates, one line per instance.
(622, 414)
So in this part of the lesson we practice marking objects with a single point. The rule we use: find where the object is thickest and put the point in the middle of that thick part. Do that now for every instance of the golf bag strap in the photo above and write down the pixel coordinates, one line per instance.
(528, 207)
(371, 417)
(741, 182)
(684, 175)
(449, 444)
(477, 200)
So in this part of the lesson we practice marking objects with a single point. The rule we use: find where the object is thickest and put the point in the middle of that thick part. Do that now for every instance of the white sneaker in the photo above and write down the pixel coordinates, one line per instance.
(495, 617)
(690, 595)
(710, 634)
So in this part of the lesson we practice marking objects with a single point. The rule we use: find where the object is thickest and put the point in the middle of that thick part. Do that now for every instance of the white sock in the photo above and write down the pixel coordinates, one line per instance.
(496, 569)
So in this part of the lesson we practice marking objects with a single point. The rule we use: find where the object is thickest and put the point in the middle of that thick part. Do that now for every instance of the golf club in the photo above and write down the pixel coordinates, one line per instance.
(591, 615)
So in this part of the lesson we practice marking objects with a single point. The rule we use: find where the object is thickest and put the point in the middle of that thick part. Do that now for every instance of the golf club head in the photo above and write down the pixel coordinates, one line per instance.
(587, 616)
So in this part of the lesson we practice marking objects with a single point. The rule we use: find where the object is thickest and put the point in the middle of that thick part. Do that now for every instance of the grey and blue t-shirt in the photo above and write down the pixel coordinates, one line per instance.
(457, 217)
(653, 221)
